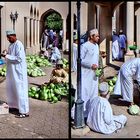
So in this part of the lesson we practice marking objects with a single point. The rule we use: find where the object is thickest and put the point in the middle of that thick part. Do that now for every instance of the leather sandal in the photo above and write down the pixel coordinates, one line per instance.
(22, 115)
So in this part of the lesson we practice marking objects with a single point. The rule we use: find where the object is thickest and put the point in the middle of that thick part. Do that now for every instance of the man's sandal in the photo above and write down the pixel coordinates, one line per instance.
(22, 115)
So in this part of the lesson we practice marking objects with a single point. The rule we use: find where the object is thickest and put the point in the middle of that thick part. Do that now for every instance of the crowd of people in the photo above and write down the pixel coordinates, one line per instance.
(118, 45)
(51, 41)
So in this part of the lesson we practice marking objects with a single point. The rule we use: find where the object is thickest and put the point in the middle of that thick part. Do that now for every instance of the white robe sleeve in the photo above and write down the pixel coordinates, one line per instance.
(108, 115)
(138, 75)
(83, 55)
(17, 57)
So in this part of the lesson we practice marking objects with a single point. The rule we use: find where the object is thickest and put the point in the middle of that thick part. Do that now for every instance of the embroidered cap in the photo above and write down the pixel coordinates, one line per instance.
(103, 88)
(10, 32)
(59, 62)
(94, 31)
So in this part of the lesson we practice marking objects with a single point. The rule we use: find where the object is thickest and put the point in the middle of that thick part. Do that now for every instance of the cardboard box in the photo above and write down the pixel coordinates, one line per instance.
(4, 108)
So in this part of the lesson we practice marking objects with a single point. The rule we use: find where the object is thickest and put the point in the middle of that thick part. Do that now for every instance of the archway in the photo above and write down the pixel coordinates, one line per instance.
(52, 20)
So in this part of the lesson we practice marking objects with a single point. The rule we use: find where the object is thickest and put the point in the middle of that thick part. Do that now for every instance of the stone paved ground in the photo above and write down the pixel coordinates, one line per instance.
(132, 129)
(46, 120)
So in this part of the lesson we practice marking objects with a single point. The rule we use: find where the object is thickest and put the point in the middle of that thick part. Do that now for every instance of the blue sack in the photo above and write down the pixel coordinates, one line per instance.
(1, 62)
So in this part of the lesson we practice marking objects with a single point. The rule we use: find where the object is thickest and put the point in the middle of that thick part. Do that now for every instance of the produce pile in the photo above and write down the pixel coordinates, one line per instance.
(112, 83)
(37, 60)
(65, 63)
(3, 71)
(34, 71)
(34, 62)
(49, 92)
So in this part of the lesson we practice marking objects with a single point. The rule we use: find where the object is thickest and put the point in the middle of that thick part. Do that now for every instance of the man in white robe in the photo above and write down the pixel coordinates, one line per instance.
(100, 117)
(16, 76)
(115, 47)
(128, 72)
(122, 43)
(89, 63)
(45, 39)
(55, 54)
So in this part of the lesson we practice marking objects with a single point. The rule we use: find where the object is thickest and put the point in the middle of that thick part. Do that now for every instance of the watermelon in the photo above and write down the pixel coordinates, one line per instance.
(134, 109)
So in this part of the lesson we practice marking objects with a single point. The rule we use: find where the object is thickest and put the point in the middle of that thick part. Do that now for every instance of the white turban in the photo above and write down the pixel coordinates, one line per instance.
(94, 31)
(59, 62)
(103, 88)
(10, 32)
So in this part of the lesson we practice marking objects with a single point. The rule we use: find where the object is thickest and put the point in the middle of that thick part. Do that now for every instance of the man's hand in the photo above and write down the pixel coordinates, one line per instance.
(94, 67)
(4, 53)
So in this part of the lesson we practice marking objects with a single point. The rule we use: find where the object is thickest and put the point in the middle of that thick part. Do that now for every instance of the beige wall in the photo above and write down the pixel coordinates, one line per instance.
(23, 9)
(83, 15)
(6, 24)
(60, 7)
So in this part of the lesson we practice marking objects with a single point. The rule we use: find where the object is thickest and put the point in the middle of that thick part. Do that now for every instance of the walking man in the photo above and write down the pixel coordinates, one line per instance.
(16, 76)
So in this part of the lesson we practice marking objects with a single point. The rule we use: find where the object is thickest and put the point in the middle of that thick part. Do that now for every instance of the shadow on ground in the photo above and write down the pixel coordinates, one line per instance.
(117, 100)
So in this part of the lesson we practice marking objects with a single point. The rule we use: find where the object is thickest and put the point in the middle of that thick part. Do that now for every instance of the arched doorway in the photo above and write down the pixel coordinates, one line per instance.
(52, 20)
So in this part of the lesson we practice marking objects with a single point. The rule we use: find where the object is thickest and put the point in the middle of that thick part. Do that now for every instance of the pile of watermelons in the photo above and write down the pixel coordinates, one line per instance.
(65, 63)
(3, 71)
(37, 60)
(49, 92)
(112, 83)
(34, 62)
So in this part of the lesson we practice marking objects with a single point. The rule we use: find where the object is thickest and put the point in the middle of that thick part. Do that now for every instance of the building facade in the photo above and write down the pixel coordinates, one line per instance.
(109, 16)
(30, 22)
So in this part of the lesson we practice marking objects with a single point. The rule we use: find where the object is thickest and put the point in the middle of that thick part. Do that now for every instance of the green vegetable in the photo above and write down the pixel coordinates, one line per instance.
(55, 99)
(98, 72)
(134, 110)
(31, 94)
(134, 47)
(36, 95)
(33, 88)
(111, 88)
(110, 83)
(114, 79)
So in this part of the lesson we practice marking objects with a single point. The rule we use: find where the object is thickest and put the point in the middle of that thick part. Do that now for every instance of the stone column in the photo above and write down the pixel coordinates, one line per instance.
(64, 35)
(37, 37)
(72, 29)
(91, 13)
(28, 31)
(37, 32)
(105, 30)
(31, 33)
(114, 21)
(130, 29)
